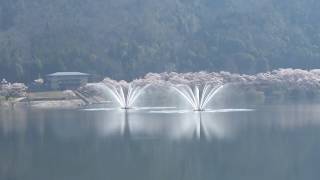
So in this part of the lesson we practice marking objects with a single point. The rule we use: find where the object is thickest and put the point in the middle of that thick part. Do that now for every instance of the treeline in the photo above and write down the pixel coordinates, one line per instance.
(125, 39)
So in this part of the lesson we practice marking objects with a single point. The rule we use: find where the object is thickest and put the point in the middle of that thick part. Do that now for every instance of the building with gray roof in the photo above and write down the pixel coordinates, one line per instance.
(66, 80)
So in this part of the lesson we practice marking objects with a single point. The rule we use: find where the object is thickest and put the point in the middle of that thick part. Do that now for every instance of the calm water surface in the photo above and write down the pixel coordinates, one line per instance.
(272, 142)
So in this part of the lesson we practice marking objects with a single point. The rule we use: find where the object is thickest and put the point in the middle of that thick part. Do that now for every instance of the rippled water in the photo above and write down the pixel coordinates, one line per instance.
(269, 142)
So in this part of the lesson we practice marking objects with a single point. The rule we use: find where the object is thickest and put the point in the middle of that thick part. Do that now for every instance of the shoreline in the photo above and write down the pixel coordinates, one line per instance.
(51, 104)
(45, 100)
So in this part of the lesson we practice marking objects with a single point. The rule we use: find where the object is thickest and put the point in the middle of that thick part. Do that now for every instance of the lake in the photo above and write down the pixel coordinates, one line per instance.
(266, 142)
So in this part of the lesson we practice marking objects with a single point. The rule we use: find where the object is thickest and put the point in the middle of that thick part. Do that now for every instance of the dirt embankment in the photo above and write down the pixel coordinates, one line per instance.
(45, 100)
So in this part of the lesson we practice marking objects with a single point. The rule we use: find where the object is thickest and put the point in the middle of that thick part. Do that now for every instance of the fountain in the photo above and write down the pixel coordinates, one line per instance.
(125, 94)
(198, 97)
(197, 89)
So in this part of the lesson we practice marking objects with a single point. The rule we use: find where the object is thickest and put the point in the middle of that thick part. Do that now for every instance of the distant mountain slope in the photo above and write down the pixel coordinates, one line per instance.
(124, 39)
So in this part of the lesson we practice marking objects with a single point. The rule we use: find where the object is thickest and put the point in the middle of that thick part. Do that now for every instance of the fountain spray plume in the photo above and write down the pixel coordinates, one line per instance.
(125, 93)
(198, 89)
(198, 97)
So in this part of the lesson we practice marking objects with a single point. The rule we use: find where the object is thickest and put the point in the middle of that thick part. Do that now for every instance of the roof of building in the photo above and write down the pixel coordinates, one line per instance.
(68, 74)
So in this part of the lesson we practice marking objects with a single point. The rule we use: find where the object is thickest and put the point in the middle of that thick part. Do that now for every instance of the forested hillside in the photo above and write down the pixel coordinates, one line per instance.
(124, 39)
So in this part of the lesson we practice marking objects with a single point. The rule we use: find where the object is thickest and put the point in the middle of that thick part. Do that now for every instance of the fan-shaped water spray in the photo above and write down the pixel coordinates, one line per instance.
(198, 97)
(126, 95)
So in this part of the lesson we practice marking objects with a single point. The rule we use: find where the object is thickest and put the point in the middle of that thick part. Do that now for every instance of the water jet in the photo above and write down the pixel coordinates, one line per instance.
(198, 97)
(126, 94)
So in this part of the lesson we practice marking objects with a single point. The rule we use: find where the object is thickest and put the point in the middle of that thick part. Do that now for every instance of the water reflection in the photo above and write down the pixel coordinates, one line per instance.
(169, 124)
(278, 142)
(146, 123)
(155, 123)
